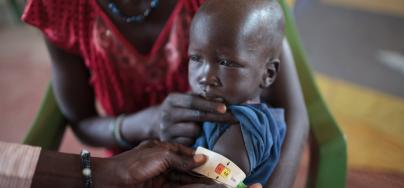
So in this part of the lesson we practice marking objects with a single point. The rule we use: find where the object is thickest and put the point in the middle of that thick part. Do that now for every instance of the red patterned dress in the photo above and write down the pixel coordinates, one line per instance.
(124, 80)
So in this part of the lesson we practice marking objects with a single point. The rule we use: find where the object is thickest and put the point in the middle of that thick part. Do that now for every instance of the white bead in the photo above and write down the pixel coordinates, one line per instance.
(87, 172)
(84, 151)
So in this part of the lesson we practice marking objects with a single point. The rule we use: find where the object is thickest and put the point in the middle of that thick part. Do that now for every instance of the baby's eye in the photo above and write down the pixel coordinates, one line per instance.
(229, 63)
(195, 58)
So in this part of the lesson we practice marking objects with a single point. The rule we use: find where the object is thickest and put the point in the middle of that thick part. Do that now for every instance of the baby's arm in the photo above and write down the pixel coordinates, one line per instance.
(231, 145)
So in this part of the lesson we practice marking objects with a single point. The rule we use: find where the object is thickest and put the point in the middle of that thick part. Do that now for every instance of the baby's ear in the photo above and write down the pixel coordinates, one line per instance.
(271, 71)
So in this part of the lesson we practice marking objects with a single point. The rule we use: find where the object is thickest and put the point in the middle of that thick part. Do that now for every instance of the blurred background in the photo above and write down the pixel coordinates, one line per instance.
(355, 47)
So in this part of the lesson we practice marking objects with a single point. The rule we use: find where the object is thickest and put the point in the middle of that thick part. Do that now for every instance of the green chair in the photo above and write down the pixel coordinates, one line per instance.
(328, 163)
(49, 125)
(16, 7)
(328, 155)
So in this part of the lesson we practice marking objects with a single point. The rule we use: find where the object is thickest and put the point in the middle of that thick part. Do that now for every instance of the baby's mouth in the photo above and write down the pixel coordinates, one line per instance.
(210, 97)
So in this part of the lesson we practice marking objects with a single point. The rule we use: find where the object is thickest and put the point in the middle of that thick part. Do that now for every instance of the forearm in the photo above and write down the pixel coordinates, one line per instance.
(145, 164)
(285, 172)
(95, 131)
(65, 170)
(29, 166)
(286, 93)
(292, 148)
(99, 131)
(58, 170)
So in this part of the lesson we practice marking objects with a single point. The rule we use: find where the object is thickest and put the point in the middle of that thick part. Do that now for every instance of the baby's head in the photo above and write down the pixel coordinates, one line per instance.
(234, 49)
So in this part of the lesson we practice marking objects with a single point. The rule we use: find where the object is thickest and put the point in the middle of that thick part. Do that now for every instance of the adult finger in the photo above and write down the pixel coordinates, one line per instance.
(183, 163)
(186, 141)
(196, 102)
(148, 144)
(184, 150)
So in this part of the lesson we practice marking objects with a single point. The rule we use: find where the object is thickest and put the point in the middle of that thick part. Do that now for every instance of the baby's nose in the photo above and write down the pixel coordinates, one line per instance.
(209, 76)
(212, 81)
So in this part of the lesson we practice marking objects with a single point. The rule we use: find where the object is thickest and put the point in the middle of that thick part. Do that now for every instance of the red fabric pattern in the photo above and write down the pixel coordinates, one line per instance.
(124, 80)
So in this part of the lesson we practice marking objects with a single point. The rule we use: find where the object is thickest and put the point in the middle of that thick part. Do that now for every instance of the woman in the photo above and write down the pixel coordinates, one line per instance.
(129, 57)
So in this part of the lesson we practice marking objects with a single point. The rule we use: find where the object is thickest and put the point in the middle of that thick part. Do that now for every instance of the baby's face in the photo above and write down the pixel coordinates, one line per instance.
(222, 64)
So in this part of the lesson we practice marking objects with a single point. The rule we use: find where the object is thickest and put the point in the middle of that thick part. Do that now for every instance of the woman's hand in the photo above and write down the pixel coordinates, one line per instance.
(147, 161)
(179, 114)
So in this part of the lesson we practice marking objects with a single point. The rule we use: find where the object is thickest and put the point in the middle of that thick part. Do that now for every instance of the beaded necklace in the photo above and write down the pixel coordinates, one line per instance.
(136, 18)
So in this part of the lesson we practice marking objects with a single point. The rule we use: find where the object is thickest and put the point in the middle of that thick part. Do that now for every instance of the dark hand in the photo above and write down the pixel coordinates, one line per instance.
(149, 160)
(180, 113)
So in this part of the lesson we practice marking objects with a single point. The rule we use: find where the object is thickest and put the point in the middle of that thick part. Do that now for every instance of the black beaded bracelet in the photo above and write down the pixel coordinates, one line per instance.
(86, 163)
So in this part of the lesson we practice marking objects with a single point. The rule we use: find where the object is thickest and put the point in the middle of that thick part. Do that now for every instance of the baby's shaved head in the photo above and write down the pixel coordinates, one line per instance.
(258, 23)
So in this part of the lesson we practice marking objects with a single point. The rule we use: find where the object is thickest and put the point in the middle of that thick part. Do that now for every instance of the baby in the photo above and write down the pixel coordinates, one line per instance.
(233, 56)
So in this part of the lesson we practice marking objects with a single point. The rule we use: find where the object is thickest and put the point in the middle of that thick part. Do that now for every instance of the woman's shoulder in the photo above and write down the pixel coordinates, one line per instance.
(49, 12)
(61, 21)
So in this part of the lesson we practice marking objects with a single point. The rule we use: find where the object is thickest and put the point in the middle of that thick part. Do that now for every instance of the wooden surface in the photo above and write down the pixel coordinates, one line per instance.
(373, 123)
(374, 179)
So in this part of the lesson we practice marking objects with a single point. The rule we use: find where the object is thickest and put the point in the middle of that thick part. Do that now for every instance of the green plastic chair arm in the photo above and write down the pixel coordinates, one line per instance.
(17, 8)
(328, 163)
(49, 125)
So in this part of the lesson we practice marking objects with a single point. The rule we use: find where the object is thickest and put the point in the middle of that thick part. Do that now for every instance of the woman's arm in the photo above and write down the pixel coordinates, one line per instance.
(75, 96)
(129, 169)
(167, 122)
(286, 93)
